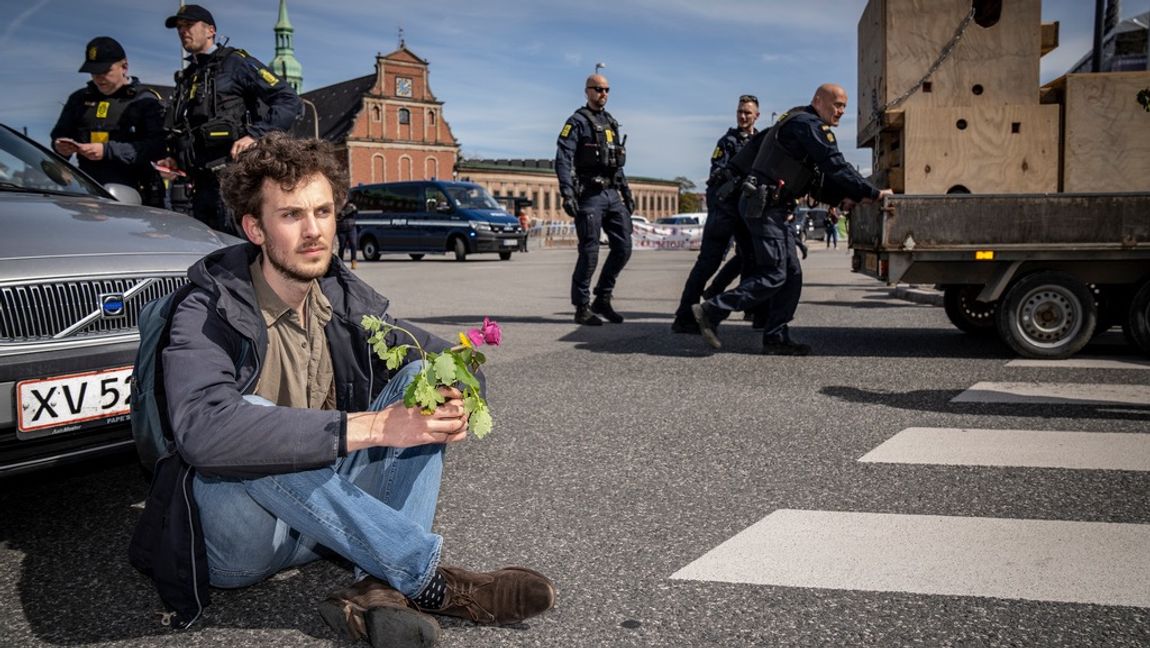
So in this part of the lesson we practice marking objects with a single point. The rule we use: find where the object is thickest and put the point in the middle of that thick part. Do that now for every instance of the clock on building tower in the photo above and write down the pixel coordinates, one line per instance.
(402, 87)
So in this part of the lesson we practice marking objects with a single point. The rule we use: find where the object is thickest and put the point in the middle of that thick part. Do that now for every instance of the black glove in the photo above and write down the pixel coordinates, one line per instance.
(628, 200)
(571, 207)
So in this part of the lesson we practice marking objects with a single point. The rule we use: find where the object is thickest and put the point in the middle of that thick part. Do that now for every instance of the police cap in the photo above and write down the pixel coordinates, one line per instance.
(100, 54)
(193, 13)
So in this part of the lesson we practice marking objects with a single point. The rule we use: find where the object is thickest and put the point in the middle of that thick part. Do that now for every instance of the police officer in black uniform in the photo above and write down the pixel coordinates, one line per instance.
(797, 156)
(589, 163)
(723, 221)
(216, 110)
(113, 125)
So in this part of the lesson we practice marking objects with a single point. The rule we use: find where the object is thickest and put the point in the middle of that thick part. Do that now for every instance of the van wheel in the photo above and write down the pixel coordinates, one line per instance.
(967, 313)
(459, 246)
(1047, 315)
(370, 248)
(504, 256)
(1137, 326)
(415, 257)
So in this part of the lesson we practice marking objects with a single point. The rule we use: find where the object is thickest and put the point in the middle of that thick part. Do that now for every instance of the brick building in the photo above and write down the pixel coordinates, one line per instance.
(389, 124)
(535, 179)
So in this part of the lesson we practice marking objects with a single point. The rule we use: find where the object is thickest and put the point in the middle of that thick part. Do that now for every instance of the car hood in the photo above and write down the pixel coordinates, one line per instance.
(40, 231)
(495, 216)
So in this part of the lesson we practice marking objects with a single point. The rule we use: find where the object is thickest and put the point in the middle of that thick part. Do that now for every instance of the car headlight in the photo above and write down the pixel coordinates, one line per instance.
(482, 227)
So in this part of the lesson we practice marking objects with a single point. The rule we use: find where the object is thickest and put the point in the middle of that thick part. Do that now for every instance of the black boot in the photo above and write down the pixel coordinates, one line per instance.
(785, 346)
(584, 316)
(602, 306)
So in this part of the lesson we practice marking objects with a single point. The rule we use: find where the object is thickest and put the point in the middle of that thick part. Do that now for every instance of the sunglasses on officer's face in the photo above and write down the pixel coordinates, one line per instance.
(599, 89)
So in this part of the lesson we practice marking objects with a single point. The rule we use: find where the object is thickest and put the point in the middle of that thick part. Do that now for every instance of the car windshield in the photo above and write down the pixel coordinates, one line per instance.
(26, 167)
(471, 198)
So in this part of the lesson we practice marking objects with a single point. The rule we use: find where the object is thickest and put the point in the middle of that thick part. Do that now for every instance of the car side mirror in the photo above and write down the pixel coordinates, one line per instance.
(124, 193)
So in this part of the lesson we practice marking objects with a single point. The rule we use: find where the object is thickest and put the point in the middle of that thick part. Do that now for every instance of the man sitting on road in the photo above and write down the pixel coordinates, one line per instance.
(298, 435)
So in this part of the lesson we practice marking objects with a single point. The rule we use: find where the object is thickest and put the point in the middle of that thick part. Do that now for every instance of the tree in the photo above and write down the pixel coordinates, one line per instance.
(689, 201)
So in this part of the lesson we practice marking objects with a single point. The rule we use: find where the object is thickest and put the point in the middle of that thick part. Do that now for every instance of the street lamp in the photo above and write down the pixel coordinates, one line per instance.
(314, 115)
(599, 66)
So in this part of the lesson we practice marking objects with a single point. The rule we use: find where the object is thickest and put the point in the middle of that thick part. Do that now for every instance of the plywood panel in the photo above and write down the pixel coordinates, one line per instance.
(1107, 136)
(1001, 149)
(989, 66)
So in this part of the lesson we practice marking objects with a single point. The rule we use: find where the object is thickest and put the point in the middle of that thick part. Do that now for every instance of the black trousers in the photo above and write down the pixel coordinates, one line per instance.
(777, 279)
(600, 211)
(208, 204)
(723, 224)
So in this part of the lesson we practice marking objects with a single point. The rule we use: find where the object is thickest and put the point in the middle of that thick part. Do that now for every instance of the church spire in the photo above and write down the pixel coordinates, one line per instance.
(285, 64)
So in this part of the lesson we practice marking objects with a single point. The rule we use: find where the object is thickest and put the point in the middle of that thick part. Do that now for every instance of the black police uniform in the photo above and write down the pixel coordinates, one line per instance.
(217, 101)
(801, 156)
(589, 163)
(722, 224)
(130, 125)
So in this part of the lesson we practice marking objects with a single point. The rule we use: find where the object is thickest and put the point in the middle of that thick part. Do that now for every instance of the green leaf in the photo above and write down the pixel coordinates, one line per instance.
(409, 393)
(395, 355)
(426, 395)
(444, 366)
(464, 375)
(371, 323)
(480, 422)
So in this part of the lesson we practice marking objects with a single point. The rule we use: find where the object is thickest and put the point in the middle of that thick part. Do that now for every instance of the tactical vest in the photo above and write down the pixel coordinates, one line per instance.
(603, 154)
(772, 163)
(205, 124)
(102, 116)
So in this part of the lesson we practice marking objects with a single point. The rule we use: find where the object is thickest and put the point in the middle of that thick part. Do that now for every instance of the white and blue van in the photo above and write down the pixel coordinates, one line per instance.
(432, 216)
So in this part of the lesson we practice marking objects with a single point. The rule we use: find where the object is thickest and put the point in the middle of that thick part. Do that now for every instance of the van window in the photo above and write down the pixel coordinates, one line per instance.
(472, 198)
(437, 198)
(394, 199)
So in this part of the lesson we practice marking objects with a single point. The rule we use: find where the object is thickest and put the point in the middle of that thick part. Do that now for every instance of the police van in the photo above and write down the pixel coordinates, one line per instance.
(432, 216)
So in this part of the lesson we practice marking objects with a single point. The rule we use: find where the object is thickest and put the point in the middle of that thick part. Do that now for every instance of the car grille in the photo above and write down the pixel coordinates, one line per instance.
(42, 312)
(504, 228)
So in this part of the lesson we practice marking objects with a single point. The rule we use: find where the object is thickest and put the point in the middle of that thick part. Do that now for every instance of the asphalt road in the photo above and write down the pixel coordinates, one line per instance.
(624, 454)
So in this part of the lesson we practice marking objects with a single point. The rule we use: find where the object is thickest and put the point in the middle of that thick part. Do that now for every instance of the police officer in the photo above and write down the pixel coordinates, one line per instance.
(798, 155)
(589, 163)
(215, 113)
(113, 125)
(723, 221)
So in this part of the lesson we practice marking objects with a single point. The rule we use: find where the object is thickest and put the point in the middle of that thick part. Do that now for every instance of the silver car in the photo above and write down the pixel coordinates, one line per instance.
(76, 266)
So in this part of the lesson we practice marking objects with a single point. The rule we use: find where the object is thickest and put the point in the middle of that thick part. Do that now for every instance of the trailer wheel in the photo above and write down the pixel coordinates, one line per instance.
(1047, 315)
(370, 248)
(415, 257)
(966, 312)
(1138, 319)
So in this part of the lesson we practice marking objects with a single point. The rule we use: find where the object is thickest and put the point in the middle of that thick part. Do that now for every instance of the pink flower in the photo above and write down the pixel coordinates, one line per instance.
(492, 334)
(476, 337)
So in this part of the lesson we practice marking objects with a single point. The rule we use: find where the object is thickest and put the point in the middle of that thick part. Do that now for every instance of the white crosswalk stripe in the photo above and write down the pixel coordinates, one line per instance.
(1055, 394)
(1029, 559)
(1029, 448)
(1045, 560)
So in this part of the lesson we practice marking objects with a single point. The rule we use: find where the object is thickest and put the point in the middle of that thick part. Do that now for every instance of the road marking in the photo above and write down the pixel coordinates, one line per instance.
(1042, 560)
(1030, 448)
(1054, 393)
(1082, 363)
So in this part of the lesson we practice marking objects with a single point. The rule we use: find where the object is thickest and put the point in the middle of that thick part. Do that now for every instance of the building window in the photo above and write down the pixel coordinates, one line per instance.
(405, 168)
(378, 169)
(404, 116)
(546, 200)
(376, 113)
(431, 167)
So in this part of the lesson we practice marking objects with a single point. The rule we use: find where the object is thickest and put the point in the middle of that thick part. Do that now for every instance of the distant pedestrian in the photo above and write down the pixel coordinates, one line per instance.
(114, 126)
(525, 224)
(347, 231)
(831, 224)
(589, 164)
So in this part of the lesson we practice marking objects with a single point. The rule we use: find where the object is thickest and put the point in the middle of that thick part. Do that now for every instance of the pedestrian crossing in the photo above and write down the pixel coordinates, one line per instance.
(1067, 561)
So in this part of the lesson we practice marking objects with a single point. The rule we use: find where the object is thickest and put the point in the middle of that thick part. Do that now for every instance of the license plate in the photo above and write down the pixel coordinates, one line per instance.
(510, 242)
(72, 402)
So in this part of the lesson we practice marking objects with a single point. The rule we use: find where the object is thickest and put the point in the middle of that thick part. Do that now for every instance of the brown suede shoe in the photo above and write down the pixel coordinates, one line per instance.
(373, 610)
(501, 597)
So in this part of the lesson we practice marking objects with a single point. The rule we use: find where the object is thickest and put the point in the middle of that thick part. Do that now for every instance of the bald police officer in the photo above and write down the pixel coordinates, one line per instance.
(224, 101)
(798, 155)
(589, 163)
(113, 125)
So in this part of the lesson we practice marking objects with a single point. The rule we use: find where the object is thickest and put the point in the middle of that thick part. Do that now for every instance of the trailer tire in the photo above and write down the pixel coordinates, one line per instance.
(1047, 315)
(1138, 319)
(966, 313)
(416, 257)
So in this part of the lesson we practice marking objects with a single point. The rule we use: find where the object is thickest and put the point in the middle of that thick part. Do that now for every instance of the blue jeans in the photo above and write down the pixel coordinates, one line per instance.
(374, 507)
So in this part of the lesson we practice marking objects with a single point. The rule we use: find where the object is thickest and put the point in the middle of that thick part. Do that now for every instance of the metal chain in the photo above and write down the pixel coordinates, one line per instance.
(942, 56)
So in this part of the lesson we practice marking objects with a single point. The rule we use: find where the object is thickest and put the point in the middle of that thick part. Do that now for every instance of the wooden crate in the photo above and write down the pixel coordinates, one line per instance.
(998, 149)
(900, 39)
(1106, 145)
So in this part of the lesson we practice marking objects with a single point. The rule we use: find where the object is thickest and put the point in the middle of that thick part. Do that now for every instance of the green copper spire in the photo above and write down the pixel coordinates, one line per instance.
(285, 64)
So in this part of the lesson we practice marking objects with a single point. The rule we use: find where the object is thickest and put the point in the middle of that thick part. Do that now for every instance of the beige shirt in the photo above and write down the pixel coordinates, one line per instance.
(297, 369)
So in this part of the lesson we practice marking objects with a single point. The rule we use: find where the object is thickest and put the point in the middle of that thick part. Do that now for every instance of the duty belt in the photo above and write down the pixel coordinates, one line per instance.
(596, 182)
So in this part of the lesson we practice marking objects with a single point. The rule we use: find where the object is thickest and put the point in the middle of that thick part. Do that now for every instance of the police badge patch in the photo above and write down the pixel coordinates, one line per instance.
(566, 130)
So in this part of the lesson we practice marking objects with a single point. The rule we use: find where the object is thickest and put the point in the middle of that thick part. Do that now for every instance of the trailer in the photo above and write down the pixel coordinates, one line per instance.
(1045, 272)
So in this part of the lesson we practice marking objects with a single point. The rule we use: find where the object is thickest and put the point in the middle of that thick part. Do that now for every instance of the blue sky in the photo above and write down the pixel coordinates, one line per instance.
(510, 72)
